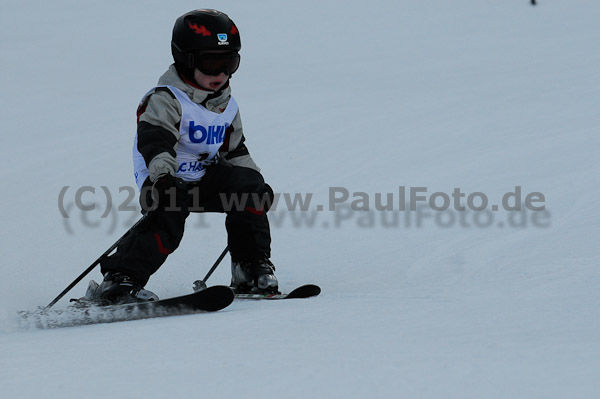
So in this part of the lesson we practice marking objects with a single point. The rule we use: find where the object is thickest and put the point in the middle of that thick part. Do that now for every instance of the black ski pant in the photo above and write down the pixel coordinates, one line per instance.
(239, 192)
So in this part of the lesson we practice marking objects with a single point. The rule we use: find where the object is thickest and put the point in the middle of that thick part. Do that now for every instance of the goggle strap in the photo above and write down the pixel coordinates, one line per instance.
(190, 61)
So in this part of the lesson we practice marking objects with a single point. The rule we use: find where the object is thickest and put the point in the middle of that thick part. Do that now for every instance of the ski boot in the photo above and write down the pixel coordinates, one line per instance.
(254, 277)
(119, 288)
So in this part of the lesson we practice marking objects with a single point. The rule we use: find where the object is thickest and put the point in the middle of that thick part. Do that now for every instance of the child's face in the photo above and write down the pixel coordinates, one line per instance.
(208, 82)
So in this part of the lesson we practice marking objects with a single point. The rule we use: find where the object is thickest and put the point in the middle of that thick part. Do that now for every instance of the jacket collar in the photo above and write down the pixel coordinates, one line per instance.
(196, 94)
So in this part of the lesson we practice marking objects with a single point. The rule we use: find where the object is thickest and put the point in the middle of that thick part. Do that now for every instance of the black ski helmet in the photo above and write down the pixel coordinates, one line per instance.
(200, 31)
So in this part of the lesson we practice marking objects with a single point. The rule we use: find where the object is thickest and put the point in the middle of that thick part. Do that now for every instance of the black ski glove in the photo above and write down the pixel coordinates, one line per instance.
(166, 191)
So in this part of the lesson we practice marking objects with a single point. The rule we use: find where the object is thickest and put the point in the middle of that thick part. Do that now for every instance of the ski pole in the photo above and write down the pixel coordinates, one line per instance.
(200, 285)
(97, 261)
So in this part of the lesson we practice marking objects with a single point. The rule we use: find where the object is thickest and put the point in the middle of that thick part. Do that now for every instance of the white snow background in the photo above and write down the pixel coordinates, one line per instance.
(477, 95)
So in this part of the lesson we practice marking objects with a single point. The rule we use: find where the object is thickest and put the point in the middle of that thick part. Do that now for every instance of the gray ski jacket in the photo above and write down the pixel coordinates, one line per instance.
(158, 126)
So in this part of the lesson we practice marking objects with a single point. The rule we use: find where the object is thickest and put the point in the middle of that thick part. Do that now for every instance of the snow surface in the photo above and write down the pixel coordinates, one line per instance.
(477, 95)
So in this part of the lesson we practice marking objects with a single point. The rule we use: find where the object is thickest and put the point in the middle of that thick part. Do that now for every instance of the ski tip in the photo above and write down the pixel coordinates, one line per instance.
(305, 291)
(216, 298)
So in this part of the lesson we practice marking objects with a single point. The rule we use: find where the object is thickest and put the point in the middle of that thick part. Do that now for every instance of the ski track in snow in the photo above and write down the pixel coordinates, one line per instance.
(369, 96)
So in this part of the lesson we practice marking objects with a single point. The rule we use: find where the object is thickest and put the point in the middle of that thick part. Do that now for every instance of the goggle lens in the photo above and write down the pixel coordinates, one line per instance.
(214, 63)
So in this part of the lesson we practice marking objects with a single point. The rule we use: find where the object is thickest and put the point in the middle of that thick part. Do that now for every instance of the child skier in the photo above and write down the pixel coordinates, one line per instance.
(189, 155)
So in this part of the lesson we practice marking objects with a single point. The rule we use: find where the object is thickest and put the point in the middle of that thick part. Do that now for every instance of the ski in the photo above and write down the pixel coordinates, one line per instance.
(304, 291)
(83, 313)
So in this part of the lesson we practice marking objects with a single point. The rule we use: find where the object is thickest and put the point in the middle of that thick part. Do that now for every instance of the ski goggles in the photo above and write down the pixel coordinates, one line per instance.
(214, 63)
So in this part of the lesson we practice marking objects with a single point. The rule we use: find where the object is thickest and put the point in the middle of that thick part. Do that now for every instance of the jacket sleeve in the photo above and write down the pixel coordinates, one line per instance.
(158, 132)
(234, 151)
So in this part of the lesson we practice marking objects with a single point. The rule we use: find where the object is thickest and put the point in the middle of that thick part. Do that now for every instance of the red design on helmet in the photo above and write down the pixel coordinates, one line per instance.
(234, 30)
(199, 30)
